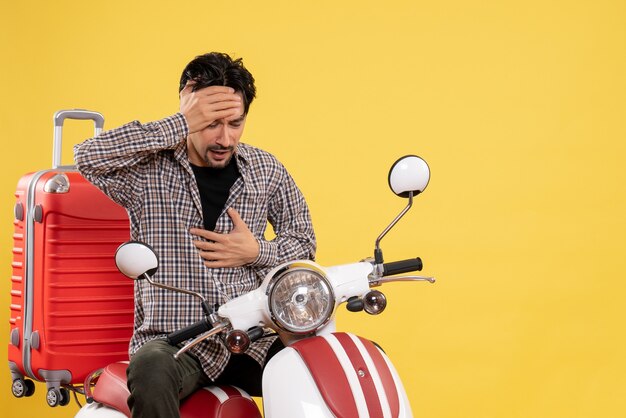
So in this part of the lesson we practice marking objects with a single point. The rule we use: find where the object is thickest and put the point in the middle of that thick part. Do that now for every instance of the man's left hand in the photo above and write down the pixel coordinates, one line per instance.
(235, 249)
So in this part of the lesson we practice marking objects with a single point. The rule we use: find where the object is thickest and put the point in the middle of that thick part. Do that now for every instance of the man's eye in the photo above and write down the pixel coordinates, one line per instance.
(235, 124)
(213, 125)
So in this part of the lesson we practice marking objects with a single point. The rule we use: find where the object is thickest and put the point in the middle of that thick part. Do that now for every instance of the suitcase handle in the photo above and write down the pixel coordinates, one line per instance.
(59, 118)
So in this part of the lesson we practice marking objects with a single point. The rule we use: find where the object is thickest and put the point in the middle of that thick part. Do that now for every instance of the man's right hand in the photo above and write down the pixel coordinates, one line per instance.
(203, 107)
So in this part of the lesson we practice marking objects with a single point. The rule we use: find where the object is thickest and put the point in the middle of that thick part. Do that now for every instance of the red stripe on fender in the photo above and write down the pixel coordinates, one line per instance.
(365, 378)
(328, 375)
(385, 376)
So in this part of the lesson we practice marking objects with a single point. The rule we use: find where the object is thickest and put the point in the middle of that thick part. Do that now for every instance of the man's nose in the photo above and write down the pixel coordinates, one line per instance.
(223, 139)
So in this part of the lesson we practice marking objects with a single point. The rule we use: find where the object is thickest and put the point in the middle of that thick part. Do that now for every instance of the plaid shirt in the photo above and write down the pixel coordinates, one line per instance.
(145, 168)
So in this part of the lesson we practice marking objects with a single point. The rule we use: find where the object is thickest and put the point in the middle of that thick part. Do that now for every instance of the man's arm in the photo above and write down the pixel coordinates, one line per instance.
(113, 161)
(290, 217)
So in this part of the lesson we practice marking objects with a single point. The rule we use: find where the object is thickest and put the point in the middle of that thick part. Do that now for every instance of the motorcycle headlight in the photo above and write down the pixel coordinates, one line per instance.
(300, 299)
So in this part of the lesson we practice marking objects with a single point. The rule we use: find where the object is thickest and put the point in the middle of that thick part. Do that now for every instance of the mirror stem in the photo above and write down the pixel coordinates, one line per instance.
(378, 254)
(175, 289)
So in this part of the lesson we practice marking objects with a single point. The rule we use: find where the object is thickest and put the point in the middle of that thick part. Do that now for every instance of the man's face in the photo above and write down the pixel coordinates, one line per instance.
(215, 145)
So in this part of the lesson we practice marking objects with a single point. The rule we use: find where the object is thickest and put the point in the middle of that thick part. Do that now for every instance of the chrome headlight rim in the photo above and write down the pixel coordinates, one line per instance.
(293, 268)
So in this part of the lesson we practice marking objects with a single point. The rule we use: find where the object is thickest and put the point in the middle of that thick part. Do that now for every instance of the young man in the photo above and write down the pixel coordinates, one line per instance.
(201, 199)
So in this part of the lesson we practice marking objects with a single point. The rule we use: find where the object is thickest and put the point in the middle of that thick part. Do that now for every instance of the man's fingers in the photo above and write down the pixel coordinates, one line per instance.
(211, 256)
(213, 110)
(216, 260)
(207, 90)
(218, 264)
(215, 90)
(221, 110)
(188, 88)
(236, 248)
(218, 97)
(210, 235)
(207, 105)
(207, 246)
(235, 217)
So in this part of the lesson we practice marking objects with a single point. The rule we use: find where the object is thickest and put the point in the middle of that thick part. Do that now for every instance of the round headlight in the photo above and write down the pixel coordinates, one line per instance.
(300, 300)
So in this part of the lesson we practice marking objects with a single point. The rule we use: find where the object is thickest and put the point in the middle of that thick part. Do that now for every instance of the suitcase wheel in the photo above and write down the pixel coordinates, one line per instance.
(23, 387)
(59, 396)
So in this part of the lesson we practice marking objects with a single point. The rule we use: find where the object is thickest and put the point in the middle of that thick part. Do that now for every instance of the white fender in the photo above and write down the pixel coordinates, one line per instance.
(290, 390)
(97, 410)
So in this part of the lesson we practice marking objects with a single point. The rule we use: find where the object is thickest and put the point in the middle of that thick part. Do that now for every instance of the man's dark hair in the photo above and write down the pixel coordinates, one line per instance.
(218, 69)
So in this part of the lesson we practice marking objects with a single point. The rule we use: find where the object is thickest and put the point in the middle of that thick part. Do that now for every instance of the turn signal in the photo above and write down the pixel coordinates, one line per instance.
(237, 341)
(375, 302)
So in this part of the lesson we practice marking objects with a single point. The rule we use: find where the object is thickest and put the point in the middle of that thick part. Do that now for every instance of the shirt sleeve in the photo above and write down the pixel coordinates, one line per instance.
(114, 161)
(289, 215)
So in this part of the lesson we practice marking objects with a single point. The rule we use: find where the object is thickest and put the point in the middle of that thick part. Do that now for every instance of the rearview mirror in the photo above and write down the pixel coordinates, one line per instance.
(409, 174)
(136, 260)
(408, 177)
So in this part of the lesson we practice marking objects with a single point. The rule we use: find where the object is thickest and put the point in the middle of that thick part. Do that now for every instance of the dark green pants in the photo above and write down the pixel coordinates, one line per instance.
(157, 382)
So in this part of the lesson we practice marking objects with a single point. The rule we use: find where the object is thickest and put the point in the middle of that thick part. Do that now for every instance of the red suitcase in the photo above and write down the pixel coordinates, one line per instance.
(71, 310)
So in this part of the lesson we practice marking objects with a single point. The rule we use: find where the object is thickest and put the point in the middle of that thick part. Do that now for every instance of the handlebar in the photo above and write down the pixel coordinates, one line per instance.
(188, 332)
(402, 266)
(255, 333)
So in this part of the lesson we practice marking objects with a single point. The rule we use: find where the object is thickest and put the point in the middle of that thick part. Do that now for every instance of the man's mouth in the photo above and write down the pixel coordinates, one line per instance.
(221, 152)
(218, 157)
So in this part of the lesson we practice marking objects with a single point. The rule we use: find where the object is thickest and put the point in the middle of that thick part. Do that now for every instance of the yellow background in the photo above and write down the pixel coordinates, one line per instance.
(518, 106)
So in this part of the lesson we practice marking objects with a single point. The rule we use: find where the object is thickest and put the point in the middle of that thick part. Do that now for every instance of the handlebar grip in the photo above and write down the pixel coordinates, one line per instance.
(188, 332)
(403, 266)
(255, 333)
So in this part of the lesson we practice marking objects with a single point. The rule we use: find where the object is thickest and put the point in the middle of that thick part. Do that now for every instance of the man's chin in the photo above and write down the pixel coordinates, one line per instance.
(214, 163)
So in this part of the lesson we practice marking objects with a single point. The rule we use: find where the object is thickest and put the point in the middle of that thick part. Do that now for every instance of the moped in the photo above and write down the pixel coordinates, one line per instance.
(321, 372)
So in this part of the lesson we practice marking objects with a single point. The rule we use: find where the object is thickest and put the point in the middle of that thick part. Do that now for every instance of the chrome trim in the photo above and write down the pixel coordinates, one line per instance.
(28, 270)
(395, 221)
(383, 280)
(57, 184)
(59, 118)
(92, 378)
(216, 330)
(172, 288)
(369, 308)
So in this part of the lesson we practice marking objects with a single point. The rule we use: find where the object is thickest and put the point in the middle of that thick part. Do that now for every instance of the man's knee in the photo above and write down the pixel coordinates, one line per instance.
(153, 365)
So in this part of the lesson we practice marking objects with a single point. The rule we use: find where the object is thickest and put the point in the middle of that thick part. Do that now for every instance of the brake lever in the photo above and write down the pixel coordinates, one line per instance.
(216, 330)
(377, 281)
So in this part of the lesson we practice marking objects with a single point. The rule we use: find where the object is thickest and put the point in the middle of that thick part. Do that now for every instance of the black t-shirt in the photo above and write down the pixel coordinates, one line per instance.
(214, 185)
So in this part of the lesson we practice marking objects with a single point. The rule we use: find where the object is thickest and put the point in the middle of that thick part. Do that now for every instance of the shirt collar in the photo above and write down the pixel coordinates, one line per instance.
(242, 155)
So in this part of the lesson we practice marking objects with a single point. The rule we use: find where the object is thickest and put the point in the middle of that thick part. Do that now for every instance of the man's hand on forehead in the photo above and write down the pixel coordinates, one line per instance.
(204, 106)
(189, 87)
